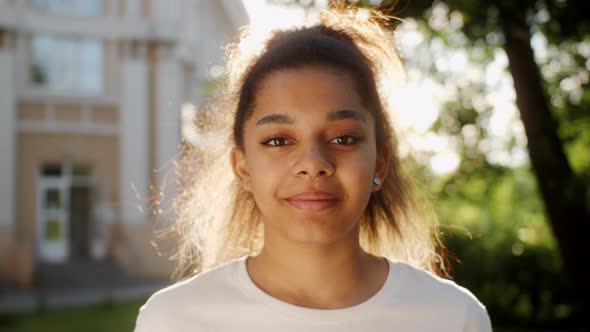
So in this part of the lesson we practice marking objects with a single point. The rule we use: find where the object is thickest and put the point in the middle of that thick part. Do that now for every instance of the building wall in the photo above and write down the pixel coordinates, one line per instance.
(172, 48)
(34, 149)
(16, 259)
(137, 249)
(8, 165)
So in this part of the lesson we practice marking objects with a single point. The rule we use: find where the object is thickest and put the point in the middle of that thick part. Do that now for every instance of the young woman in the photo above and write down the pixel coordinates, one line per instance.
(320, 229)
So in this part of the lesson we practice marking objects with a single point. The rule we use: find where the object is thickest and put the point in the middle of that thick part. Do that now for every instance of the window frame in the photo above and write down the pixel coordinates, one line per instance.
(61, 84)
(81, 8)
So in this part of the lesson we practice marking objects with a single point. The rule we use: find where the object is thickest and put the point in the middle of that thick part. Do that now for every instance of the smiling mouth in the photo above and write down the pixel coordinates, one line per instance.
(313, 204)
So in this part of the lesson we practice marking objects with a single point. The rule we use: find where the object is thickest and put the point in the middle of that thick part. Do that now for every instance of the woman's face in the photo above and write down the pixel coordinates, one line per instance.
(309, 122)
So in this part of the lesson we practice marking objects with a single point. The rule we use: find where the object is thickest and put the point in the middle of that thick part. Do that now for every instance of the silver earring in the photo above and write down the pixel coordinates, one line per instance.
(376, 181)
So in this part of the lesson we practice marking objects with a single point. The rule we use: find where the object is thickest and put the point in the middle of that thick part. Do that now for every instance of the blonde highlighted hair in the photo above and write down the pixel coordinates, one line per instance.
(217, 221)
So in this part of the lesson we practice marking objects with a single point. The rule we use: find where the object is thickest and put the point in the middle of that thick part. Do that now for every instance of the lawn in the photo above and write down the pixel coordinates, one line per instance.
(112, 317)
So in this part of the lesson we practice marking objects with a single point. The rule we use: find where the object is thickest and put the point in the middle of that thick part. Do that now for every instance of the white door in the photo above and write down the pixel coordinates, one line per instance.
(53, 219)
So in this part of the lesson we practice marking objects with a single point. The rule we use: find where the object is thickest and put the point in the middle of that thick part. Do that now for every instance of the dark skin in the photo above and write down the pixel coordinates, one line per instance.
(310, 122)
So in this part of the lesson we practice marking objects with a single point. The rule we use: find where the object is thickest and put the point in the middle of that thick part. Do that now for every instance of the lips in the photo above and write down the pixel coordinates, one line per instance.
(313, 201)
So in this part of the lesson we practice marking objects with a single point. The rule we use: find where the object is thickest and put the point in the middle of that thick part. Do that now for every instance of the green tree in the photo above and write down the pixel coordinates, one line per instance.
(553, 102)
(564, 191)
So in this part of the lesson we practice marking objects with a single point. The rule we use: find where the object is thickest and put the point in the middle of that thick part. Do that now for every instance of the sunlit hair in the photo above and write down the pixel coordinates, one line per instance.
(217, 221)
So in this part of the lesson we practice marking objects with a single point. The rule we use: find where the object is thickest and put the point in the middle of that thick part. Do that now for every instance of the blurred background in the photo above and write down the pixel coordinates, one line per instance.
(96, 95)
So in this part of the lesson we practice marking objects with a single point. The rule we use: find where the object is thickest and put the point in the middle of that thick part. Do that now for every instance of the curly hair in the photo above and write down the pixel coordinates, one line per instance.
(217, 221)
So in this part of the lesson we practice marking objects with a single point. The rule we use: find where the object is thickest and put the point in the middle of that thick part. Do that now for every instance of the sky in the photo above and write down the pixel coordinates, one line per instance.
(421, 98)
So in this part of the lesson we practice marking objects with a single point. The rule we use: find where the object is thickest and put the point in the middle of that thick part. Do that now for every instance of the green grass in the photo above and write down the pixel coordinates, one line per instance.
(112, 317)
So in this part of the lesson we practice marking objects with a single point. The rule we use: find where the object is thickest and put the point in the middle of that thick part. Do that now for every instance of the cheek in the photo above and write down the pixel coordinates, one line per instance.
(357, 170)
(265, 173)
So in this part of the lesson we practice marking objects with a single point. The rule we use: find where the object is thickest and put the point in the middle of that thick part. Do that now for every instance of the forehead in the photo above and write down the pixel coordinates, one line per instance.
(308, 91)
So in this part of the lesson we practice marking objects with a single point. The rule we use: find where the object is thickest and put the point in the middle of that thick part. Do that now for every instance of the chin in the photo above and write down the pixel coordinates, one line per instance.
(317, 233)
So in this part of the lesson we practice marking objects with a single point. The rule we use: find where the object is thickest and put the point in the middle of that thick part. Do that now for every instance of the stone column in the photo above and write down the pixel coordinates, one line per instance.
(16, 250)
(7, 138)
(133, 8)
(166, 10)
(168, 89)
(133, 137)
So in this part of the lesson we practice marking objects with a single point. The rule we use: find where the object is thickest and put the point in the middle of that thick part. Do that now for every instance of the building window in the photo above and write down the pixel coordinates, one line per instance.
(51, 170)
(53, 199)
(67, 64)
(81, 170)
(53, 229)
(70, 7)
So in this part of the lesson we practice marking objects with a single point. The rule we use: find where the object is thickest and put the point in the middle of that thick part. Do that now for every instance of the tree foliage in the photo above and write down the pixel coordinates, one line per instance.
(522, 225)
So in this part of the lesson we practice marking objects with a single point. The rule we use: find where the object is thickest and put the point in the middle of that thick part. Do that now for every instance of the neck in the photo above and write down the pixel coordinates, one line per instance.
(326, 276)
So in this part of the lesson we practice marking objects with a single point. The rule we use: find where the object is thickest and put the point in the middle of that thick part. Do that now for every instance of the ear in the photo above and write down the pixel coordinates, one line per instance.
(240, 168)
(381, 166)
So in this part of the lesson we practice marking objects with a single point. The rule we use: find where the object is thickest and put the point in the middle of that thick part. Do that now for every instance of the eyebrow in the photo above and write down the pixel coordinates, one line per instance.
(346, 114)
(332, 116)
(275, 118)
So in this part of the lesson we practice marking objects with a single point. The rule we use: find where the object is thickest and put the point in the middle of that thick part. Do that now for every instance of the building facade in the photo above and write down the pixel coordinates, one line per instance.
(90, 99)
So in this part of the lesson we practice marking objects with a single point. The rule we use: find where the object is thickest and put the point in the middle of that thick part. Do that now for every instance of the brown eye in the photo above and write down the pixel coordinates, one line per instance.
(275, 141)
(344, 140)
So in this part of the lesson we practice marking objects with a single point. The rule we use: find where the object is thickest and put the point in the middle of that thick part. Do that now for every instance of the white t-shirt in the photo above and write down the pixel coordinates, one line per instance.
(226, 299)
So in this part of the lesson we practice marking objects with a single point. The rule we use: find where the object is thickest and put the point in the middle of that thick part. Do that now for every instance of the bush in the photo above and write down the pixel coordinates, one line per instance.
(520, 284)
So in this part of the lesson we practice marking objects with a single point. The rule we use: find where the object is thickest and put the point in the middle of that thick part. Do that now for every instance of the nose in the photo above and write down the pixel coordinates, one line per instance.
(313, 162)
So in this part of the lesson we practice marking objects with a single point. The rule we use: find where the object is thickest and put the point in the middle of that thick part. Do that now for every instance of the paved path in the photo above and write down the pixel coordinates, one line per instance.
(29, 300)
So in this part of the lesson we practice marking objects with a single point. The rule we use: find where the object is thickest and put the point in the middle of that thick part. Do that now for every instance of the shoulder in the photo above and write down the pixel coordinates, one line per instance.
(422, 282)
(161, 310)
(422, 285)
